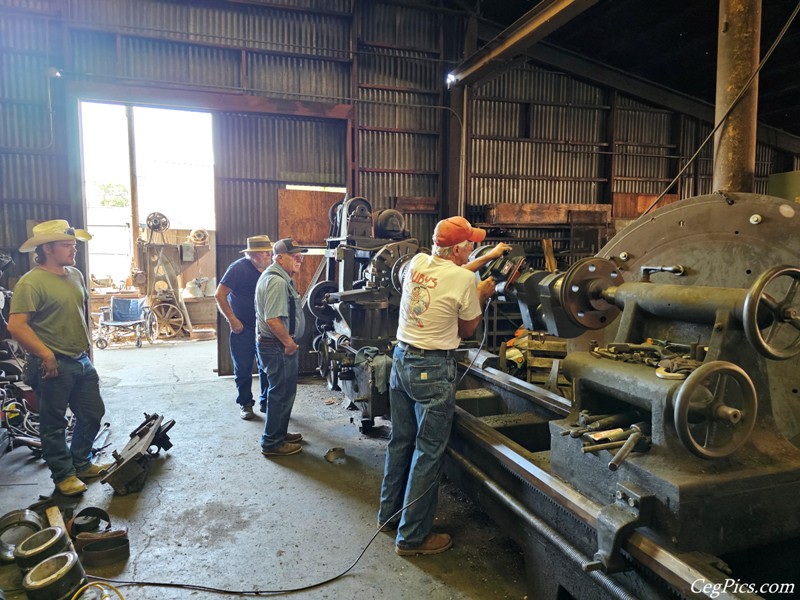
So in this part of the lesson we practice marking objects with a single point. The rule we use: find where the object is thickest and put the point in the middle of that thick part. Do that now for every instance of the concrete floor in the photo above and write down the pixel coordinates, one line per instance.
(215, 512)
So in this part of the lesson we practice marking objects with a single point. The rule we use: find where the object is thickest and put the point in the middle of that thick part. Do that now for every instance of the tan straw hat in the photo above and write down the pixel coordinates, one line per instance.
(57, 230)
(258, 243)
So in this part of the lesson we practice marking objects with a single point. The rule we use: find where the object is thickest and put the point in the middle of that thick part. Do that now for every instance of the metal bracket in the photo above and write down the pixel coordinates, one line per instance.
(129, 470)
(632, 508)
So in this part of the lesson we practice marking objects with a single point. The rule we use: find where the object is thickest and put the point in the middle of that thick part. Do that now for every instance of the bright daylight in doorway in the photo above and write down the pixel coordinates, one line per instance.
(174, 163)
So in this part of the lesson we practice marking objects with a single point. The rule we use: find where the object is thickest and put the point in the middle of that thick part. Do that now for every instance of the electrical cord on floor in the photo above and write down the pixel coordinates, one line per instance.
(103, 587)
(483, 341)
(204, 588)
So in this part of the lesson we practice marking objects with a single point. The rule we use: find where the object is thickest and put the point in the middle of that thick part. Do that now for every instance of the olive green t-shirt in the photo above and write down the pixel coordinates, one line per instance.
(56, 306)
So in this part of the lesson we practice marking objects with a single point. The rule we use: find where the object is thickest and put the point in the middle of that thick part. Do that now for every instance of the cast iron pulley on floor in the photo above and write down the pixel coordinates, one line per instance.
(169, 318)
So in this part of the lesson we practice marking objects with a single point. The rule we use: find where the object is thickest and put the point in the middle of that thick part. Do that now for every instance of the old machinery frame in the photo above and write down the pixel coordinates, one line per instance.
(355, 305)
(678, 460)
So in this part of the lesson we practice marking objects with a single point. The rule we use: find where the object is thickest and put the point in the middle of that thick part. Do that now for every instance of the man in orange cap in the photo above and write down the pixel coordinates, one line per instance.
(48, 318)
(440, 305)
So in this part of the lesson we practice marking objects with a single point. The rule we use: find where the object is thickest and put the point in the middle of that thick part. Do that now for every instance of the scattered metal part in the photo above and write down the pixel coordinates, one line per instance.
(39, 546)
(56, 577)
(13, 528)
(129, 470)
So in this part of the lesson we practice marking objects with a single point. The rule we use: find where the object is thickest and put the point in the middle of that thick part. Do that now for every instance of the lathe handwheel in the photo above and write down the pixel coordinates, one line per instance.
(780, 311)
(316, 300)
(712, 418)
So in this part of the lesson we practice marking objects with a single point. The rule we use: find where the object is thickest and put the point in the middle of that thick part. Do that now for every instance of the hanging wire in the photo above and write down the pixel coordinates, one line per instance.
(730, 108)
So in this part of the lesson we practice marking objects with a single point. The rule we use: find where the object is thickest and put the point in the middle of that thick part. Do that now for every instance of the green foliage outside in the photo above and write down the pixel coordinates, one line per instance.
(114, 194)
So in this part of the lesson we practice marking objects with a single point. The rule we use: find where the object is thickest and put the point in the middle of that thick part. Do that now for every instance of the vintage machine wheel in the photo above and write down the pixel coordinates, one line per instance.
(170, 319)
(101, 343)
(316, 301)
(711, 418)
(783, 311)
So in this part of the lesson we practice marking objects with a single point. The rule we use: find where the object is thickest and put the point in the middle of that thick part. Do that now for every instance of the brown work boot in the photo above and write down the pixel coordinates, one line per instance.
(293, 437)
(285, 449)
(71, 486)
(94, 470)
(433, 544)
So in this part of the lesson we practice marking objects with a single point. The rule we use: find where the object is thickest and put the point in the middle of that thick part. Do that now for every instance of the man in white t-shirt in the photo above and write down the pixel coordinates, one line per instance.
(441, 304)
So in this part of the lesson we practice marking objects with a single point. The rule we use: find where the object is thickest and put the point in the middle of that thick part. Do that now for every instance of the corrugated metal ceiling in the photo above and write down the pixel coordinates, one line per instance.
(674, 43)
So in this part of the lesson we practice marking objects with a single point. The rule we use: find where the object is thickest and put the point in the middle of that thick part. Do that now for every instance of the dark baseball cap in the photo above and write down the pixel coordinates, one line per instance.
(286, 246)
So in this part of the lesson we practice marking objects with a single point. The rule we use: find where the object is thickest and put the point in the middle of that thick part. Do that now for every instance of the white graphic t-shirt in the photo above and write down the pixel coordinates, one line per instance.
(436, 293)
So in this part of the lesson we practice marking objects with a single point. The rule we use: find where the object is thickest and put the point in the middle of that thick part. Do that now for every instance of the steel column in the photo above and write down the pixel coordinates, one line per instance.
(737, 58)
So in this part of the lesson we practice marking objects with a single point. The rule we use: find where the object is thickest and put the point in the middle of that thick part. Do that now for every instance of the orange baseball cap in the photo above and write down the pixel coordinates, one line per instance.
(455, 230)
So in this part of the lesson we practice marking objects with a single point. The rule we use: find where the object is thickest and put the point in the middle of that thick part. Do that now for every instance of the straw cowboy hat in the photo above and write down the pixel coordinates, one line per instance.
(258, 243)
(57, 230)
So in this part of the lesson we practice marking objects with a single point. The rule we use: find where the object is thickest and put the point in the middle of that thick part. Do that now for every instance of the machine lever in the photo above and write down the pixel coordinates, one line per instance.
(636, 441)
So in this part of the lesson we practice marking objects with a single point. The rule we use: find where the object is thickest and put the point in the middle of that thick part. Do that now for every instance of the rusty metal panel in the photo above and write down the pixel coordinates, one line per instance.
(240, 26)
(642, 153)
(399, 110)
(421, 227)
(255, 156)
(409, 69)
(42, 6)
(382, 188)
(293, 76)
(168, 62)
(94, 53)
(400, 26)
(24, 127)
(536, 137)
(530, 83)
(23, 32)
(23, 77)
(34, 178)
(490, 190)
(398, 151)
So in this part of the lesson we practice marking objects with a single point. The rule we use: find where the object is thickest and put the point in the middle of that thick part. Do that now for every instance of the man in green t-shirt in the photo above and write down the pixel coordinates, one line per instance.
(48, 318)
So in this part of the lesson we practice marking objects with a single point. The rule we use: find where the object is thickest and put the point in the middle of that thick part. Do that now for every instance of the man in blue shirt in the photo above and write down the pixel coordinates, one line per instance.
(236, 301)
(280, 325)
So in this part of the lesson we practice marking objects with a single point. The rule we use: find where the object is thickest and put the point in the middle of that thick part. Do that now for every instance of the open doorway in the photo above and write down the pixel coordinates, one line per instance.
(148, 182)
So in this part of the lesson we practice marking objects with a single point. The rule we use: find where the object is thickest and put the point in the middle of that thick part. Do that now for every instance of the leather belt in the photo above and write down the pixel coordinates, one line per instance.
(106, 551)
(409, 349)
(99, 547)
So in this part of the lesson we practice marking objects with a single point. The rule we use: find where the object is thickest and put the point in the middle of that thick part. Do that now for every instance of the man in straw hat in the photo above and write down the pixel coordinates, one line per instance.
(236, 301)
(48, 317)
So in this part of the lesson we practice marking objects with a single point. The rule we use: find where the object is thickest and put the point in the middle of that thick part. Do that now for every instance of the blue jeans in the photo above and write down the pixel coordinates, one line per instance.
(243, 352)
(76, 386)
(422, 399)
(281, 373)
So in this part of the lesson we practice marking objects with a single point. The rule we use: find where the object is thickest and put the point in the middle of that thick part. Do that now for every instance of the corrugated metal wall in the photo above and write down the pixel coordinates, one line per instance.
(535, 138)
(33, 160)
(541, 136)
(399, 120)
(254, 156)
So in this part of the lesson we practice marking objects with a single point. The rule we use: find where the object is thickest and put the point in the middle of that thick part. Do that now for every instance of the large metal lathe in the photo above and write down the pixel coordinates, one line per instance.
(674, 466)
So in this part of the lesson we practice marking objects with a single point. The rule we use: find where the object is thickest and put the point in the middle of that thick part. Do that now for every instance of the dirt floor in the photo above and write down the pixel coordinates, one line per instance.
(215, 512)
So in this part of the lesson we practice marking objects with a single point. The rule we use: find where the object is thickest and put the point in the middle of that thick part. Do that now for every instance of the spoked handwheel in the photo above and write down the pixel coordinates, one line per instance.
(170, 319)
(761, 310)
(715, 409)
